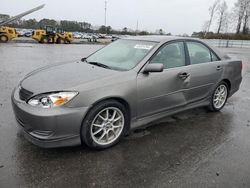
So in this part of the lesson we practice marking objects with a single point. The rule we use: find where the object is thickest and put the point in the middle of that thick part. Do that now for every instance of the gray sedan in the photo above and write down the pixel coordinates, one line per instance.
(121, 87)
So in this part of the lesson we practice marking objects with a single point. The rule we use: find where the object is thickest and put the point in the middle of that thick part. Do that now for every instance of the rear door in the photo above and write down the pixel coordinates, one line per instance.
(158, 92)
(205, 71)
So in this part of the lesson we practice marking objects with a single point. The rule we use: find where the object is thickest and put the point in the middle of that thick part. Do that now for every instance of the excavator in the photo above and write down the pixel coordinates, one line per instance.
(9, 33)
(51, 35)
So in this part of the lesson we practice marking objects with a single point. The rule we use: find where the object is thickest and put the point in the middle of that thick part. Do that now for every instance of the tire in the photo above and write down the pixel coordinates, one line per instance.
(219, 97)
(60, 41)
(96, 127)
(51, 40)
(3, 38)
(44, 40)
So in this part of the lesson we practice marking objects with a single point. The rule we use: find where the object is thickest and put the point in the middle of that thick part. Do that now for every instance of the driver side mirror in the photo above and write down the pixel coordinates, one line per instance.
(154, 67)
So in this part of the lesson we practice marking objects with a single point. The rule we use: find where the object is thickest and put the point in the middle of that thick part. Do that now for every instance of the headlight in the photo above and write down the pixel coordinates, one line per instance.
(51, 100)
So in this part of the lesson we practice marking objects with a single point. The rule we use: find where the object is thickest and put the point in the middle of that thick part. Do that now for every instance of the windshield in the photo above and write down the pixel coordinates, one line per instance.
(122, 54)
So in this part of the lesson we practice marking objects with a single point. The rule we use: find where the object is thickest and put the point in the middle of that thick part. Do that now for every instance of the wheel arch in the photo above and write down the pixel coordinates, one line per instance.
(227, 81)
(118, 99)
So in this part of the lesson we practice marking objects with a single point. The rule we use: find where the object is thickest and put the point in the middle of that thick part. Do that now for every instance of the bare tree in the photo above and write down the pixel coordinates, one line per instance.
(246, 17)
(205, 27)
(222, 15)
(241, 8)
(212, 11)
(240, 13)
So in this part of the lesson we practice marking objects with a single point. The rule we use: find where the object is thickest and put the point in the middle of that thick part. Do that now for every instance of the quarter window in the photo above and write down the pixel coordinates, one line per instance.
(171, 55)
(214, 57)
(198, 53)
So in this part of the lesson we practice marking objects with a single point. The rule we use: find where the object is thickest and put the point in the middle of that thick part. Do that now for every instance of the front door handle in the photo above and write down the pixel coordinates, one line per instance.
(218, 67)
(184, 75)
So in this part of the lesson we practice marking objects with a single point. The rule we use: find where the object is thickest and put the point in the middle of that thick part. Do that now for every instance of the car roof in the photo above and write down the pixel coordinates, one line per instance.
(164, 38)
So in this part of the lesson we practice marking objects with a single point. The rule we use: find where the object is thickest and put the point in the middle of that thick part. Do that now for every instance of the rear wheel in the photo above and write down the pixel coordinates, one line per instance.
(3, 38)
(104, 125)
(44, 40)
(219, 97)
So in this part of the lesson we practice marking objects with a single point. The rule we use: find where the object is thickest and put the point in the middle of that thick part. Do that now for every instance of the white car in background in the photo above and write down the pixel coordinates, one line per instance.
(77, 35)
(21, 32)
(90, 37)
(108, 36)
(87, 36)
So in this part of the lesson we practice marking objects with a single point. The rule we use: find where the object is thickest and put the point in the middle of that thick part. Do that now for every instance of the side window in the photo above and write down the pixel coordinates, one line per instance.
(171, 55)
(198, 53)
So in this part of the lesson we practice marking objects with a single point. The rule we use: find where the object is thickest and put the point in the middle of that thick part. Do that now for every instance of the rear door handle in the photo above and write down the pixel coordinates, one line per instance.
(218, 67)
(184, 75)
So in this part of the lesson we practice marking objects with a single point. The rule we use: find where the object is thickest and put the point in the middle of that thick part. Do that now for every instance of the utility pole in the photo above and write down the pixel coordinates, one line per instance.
(105, 16)
(136, 27)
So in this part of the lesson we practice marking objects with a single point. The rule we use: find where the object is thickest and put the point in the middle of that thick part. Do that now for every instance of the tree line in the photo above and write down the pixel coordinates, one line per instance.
(230, 24)
(64, 24)
(72, 26)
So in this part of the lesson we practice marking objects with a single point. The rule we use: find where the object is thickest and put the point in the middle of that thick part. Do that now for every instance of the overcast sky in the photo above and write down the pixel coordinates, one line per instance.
(175, 16)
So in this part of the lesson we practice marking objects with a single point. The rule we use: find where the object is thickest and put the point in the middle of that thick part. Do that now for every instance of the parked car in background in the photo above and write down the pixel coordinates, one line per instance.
(114, 38)
(28, 33)
(121, 87)
(108, 36)
(86, 36)
(102, 36)
(77, 35)
(21, 32)
(24, 32)
(91, 37)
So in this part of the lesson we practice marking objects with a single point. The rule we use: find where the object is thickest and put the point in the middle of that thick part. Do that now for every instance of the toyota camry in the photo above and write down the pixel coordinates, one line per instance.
(124, 85)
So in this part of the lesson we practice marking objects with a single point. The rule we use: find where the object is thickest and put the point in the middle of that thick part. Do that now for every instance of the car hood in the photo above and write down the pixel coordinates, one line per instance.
(63, 77)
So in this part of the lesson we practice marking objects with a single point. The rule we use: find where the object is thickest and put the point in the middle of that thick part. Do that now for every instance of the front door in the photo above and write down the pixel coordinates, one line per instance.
(158, 92)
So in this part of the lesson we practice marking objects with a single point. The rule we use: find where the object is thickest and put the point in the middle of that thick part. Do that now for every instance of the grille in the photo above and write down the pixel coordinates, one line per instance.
(24, 94)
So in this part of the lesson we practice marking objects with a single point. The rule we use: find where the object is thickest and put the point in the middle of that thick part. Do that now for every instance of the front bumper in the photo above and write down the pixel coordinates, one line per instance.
(49, 128)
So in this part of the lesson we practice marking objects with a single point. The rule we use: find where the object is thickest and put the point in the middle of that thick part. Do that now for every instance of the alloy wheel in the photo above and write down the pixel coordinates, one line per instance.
(220, 96)
(107, 126)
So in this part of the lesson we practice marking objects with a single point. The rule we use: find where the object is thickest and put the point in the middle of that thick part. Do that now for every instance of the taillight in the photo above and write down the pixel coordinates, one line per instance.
(241, 65)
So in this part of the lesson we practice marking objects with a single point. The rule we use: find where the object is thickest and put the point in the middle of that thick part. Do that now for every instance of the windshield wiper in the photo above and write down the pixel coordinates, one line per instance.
(95, 63)
(99, 64)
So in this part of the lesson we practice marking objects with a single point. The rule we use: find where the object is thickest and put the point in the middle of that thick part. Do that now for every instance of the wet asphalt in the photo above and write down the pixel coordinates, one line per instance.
(191, 149)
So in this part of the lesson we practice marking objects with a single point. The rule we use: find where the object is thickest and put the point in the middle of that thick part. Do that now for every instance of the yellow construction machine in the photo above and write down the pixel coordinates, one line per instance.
(52, 35)
(8, 33)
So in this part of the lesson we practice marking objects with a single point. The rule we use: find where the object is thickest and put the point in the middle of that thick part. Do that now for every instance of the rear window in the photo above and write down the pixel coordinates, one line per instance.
(199, 53)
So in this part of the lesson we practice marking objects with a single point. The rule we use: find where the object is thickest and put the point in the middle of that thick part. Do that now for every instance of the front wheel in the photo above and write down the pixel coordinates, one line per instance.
(104, 125)
(219, 97)
(3, 38)
(44, 40)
